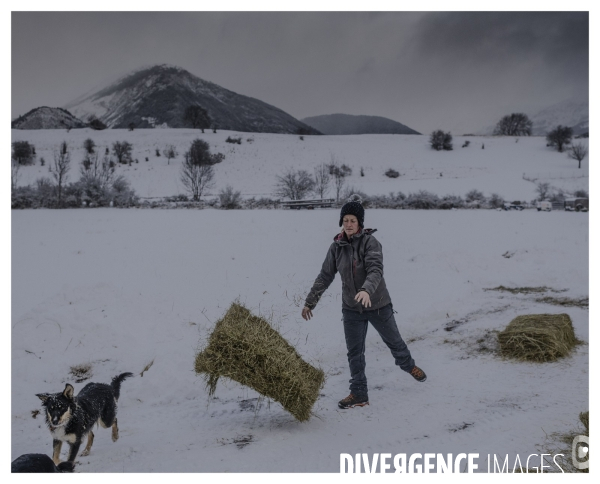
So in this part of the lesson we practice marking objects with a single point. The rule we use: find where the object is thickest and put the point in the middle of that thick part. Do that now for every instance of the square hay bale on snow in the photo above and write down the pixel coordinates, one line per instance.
(538, 337)
(245, 348)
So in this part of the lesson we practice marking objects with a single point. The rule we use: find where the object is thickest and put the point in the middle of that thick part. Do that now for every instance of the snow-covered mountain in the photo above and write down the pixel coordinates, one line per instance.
(348, 124)
(47, 118)
(158, 96)
(575, 114)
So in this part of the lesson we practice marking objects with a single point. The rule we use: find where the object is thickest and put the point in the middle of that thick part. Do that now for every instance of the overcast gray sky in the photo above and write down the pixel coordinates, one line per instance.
(456, 71)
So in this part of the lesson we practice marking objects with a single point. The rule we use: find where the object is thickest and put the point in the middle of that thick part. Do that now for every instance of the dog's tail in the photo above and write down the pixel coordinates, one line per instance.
(116, 383)
(66, 466)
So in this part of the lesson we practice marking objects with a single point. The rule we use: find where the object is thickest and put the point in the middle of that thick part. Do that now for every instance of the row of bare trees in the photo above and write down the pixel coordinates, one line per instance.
(297, 184)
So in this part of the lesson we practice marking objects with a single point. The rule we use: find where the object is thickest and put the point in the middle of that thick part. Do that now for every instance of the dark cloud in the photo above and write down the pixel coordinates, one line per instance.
(559, 39)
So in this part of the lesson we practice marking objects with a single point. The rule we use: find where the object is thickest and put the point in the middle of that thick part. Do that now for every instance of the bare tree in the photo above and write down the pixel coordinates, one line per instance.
(542, 190)
(559, 136)
(339, 173)
(196, 178)
(294, 185)
(322, 179)
(94, 170)
(515, 124)
(14, 174)
(197, 116)
(122, 150)
(62, 164)
(578, 152)
(170, 152)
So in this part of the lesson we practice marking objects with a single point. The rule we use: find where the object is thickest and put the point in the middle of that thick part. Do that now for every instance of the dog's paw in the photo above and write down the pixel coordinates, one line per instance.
(115, 436)
(84, 453)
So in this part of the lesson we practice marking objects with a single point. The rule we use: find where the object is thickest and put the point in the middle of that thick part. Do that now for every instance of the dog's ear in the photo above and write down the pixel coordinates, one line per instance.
(43, 396)
(68, 391)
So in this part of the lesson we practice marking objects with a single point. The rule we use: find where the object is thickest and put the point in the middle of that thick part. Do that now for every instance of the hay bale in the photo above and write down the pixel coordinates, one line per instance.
(538, 337)
(245, 348)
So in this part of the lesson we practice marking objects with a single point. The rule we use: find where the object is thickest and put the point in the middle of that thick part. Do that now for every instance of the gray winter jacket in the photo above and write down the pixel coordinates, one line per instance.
(360, 264)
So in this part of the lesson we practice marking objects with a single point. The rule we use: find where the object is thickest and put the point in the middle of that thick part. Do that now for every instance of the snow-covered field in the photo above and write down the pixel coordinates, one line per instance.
(118, 289)
(252, 167)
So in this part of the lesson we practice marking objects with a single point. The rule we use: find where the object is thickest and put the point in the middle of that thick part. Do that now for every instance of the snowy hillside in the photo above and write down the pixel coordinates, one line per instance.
(117, 290)
(47, 118)
(158, 96)
(574, 114)
(253, 165)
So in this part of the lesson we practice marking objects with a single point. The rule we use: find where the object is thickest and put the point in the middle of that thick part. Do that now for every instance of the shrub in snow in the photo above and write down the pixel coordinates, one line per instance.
(216, 158)
(229, 199)
(466, 144)
(170, 152)
(89, 145)
(233, 140)
(450, 201)
(96, 124)
(581, 194)
(440, 140)
(474, 195)
(122, 194)
(391, 173)
(22, 152)
(422, 199)
(122, 151)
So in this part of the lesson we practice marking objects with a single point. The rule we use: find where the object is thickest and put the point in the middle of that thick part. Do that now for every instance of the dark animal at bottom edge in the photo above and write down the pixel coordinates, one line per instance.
(70, 418)
(39, 463)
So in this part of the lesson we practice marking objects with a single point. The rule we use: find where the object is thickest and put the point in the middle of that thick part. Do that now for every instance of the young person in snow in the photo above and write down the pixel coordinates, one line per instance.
(356, 254)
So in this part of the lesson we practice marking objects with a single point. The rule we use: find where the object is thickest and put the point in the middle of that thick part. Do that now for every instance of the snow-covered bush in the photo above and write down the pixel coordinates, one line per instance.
(391, 173)
(422, 199)
(474, 195)
(450, 201)
(495, 201)
(233, 140)
(229, 199)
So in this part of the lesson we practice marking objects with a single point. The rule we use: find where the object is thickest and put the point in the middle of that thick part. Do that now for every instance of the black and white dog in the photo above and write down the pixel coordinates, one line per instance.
(70, 418)
(39, 463)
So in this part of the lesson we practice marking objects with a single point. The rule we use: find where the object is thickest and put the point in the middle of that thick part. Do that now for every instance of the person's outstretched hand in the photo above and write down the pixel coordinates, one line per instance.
(363, 298)
(306, 313)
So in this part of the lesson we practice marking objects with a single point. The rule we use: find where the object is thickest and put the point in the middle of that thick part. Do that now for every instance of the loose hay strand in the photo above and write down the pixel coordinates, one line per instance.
(538, 337)
(245, 348)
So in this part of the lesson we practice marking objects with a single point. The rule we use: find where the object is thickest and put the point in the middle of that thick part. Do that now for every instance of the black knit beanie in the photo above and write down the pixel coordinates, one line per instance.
(353, 207)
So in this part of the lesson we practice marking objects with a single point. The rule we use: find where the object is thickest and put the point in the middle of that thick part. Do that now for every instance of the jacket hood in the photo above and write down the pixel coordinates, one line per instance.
(341, 236)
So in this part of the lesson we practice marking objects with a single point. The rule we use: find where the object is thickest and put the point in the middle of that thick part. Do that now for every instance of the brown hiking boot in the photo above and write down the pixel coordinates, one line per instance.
(353, 401)
(418, 374)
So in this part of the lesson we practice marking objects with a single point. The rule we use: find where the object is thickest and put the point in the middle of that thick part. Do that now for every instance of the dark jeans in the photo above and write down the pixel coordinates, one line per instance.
(355, 330)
